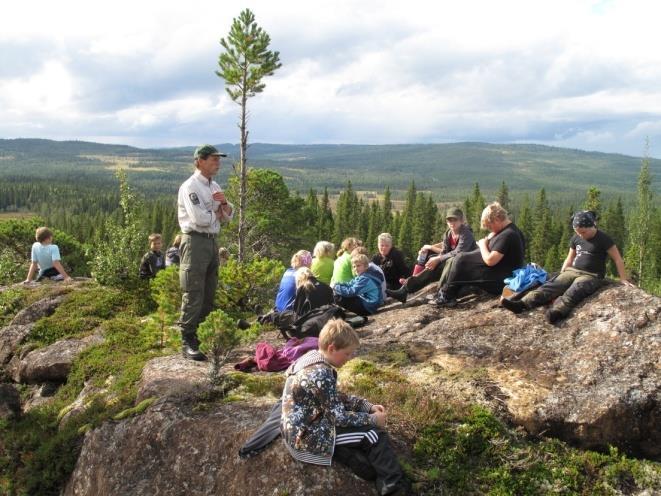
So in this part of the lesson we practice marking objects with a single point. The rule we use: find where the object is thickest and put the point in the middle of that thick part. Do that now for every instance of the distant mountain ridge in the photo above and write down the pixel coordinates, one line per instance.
(441, 168)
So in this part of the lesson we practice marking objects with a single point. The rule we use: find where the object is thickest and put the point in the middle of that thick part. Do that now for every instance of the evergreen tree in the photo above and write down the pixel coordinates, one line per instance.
(387, 217)
(503, 196)
(375, 227)
(641, 224)
(541, 240)
(325, 222)
(243, 65)
(525, 223)
(593, 201)
(613, 224)
(405, 236)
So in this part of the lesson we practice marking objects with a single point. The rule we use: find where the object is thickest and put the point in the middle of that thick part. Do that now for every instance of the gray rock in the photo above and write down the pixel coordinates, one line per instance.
(38, 310)
(52, 363)
(10, 402)
(11, 338)
(172, 376)
(40, 395)
(85, 399)
(594, 380)
(170, 450)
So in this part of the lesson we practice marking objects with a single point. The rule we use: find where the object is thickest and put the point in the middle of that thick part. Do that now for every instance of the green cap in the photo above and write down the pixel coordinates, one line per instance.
(203, 151)
(454, 213)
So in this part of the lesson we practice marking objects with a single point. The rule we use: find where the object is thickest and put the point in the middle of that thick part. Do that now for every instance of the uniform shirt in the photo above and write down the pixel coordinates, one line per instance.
(591, 253)
(44, 255)
(196, 206)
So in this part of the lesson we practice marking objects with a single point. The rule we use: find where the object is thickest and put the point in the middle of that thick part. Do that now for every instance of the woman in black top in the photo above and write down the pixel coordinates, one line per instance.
(391, 261)
(501, 252)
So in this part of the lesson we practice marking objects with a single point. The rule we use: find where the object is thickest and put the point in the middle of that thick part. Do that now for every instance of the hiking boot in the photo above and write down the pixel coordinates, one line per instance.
(515, 306)
(467, 290)
(399, 294)
(553, 315)
(443, 300)
(191, 351)
(243, 324)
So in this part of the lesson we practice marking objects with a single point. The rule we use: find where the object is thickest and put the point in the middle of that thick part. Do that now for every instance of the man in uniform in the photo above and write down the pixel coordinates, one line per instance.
(202, 206)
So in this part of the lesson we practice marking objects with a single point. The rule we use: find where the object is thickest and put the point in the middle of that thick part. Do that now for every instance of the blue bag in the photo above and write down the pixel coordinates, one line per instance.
(522, 279)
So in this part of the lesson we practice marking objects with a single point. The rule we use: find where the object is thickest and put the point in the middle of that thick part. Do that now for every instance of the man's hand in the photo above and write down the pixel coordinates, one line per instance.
(219, 196)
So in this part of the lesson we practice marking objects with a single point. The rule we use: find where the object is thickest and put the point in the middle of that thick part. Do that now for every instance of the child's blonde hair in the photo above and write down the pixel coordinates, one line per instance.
(42, 234)
(360, 259)
(304, 278)
(338, 333)
(223, 253)
(360, 250)
(177, 240)
(302, 258)
(323, 249)
(348, 245)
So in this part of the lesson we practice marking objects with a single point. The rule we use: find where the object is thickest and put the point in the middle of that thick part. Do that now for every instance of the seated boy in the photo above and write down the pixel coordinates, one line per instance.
(582, 271)
(153, 260)
(319, 424)
(45, 258)
(362, 295)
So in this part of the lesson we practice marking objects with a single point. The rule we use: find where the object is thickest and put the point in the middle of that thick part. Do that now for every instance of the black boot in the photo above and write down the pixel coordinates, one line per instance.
(399, 294)
(190, 349)
(516, 306)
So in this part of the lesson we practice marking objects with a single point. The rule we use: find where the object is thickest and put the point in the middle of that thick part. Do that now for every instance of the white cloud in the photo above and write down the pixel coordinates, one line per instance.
(372, 71)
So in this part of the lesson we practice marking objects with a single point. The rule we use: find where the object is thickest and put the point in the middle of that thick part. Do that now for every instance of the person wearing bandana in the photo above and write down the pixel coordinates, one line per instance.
(582, 272)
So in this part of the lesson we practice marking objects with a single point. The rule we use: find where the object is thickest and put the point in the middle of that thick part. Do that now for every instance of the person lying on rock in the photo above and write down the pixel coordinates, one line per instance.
(435, 260)
(320, 424)
(362, 295)
(582, 272)
(498, 254)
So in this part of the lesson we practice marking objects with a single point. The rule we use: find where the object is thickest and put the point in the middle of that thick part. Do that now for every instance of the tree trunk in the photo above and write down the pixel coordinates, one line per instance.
(243, 171)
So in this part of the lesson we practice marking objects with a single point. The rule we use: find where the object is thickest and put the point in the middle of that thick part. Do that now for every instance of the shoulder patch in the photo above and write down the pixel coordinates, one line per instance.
(194, 199)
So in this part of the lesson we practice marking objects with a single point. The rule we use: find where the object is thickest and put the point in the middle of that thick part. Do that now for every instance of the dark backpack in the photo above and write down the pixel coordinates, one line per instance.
(311, 323)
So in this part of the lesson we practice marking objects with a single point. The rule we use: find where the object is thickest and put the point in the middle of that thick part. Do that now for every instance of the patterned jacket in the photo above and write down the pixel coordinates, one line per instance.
(312, 408)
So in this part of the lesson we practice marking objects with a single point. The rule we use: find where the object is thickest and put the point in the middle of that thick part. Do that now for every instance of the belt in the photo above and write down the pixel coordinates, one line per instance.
(201, 234)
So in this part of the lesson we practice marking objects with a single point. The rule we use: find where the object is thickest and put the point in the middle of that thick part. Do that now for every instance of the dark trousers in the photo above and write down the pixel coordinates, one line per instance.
(51, 272)
(265, 435)
(422, 279)
(367, 452)
(352, 303)
(469, 268)
(198, 277)
(570, 287)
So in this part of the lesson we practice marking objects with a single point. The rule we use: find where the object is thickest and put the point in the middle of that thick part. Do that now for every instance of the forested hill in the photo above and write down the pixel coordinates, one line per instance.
(448, 170)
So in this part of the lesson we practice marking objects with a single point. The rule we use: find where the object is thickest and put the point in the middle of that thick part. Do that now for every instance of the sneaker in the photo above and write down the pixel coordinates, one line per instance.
(515, 306)
(192, 352)
(399, 294)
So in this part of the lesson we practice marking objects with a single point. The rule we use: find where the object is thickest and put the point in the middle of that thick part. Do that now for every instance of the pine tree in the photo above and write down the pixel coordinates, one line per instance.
(641, 223)
(593, 201)
(405, 236)
(541, 239)
(387, 217)
(613, 224)
(243, 65)
(325, 222)
(525, 223)
(503, 196)
(477, 205)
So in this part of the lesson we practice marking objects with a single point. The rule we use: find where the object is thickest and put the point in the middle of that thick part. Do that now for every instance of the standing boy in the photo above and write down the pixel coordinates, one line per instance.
(318, 423)
(202, 206)
(45, 258)
(153, 260)
(582, 271)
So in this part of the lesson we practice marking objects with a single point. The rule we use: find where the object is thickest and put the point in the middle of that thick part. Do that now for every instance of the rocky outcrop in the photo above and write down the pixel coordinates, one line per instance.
(11, 338)
(594, 380)
(172, 376)
(10, 402)
(38, 310)
(171, 450)
(52, 363)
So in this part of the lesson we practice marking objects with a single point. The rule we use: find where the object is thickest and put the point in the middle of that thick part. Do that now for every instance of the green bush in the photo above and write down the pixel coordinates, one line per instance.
(243, 286)
(166, 293)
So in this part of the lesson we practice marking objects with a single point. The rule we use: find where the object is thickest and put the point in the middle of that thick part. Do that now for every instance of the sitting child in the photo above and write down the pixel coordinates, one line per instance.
(172, 253)
(362, 295)
(582, 271)
(284, 300)
(323, 263)
(319, 424)
(45, 258)
(310, 293)
(153, 260)
(342, 265)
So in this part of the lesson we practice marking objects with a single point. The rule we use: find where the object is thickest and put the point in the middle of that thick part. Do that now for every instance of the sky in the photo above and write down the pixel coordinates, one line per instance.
(578, 74)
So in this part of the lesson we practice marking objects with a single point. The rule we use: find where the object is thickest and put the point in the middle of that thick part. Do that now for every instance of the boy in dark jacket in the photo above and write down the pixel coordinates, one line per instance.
(582, 271)
(319, 424)
(153, 260)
